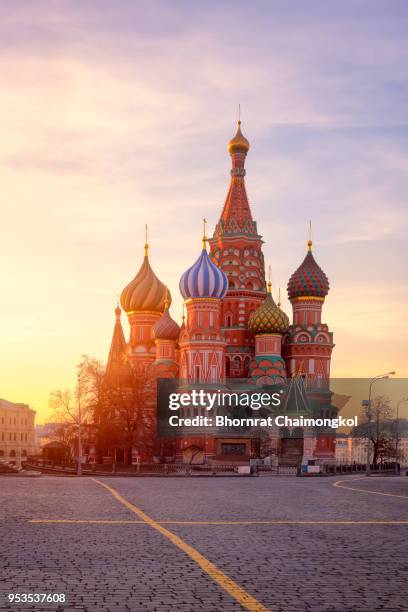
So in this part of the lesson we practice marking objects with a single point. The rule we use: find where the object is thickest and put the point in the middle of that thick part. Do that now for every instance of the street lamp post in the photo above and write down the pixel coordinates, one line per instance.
(79, 466)
(369, 416)
(401, 401)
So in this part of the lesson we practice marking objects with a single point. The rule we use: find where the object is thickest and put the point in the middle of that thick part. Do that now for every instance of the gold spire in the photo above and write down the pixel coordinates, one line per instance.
(309, 242)
(279, 298)
(269, 279)
(146, 246)
(204, 234)
(166, 299)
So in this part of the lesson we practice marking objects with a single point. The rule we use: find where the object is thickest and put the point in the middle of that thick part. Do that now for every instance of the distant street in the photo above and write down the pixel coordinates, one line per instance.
(219, 543)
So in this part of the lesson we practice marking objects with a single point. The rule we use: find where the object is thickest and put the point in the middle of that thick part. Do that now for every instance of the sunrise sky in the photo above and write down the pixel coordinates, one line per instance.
(117, 114)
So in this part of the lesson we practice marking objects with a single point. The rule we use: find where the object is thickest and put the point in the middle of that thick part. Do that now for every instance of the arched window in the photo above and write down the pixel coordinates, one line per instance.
(246, 365)
(228, 319)
(237, 363)
(227, 366)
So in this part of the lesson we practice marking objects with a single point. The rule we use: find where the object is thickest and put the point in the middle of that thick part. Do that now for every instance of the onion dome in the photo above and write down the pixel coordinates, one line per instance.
(204, 279)
(165, 328)
(309, 280)
(268, 318)
(239, 143)
(145, 292)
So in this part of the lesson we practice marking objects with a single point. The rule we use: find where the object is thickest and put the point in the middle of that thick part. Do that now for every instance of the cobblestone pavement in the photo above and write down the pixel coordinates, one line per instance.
(336, 566)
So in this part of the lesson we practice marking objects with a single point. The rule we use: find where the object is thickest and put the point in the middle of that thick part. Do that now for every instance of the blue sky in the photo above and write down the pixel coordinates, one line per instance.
(117, 114)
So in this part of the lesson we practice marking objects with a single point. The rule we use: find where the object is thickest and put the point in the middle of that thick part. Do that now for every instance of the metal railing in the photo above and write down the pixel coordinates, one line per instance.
(162, 469)
(183, 469)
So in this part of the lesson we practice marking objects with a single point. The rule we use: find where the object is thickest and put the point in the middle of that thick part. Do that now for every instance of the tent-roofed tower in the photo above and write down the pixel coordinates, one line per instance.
(115, 366)
(236, 247)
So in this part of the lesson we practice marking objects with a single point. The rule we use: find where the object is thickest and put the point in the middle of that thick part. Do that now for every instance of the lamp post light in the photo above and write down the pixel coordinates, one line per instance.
(401, 401)
(369, 416)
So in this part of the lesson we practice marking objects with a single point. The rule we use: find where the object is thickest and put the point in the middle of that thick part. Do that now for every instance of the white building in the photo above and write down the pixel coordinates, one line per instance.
(351, 450)
(17, 438)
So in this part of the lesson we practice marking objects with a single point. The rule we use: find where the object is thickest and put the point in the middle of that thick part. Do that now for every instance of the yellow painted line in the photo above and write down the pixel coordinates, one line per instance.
(339, 484)
(204, 523)
(277, 522)
(231, 587)
(87, 521)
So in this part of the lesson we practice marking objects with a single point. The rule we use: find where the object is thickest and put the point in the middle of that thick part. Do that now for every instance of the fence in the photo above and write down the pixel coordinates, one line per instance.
(182, 469)
(156, 469)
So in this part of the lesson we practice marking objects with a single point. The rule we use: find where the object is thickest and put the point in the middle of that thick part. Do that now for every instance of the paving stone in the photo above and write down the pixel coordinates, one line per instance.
(121, 567)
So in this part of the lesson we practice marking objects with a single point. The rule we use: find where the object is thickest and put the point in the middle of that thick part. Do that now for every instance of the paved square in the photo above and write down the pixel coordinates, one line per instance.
(218, 543)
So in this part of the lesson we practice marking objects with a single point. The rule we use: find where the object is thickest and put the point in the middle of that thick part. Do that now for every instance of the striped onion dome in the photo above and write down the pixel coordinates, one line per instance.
(165, 328)
(145, 292)
(268, 318)
(308, 280)
(204, 279)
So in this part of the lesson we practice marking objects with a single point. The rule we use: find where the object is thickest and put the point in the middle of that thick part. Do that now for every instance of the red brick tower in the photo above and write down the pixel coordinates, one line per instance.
(202, 345)
(308, 343)
(236, 247)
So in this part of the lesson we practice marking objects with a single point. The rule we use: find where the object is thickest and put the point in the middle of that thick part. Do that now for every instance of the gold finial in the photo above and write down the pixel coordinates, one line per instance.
(118, 311)
(166, 299)
(269, 279)
(309, 242)
(239, 114)
(204, 234)
(279, 298)
(146, 246)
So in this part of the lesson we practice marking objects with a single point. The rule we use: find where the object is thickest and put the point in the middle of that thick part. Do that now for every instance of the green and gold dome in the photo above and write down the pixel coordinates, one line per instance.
(268, 318)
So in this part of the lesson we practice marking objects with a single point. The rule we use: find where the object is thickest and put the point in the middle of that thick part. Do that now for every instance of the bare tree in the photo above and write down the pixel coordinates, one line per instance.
(72, 411)
(131, 404)
(380, 432)
(110, 412)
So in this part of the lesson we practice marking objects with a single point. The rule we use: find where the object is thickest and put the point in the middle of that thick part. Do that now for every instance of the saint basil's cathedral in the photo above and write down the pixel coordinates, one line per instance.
(234, 332)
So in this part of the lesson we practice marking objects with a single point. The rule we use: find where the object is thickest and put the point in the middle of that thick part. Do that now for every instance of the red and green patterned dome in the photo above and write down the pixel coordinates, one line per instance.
(268, 318)
(309, 280)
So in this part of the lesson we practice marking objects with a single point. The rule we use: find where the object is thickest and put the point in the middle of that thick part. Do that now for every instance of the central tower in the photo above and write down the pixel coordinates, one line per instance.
(236, 247)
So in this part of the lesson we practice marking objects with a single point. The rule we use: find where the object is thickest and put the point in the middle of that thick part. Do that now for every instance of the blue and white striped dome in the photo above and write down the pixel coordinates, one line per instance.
(203, 280)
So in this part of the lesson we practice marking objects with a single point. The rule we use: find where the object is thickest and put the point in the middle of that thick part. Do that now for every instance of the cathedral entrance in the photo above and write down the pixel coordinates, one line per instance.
(290, 446)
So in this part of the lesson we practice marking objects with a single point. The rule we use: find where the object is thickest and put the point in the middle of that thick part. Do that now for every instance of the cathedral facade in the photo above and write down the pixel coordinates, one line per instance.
(233, 333)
